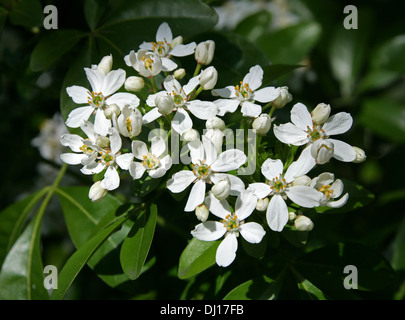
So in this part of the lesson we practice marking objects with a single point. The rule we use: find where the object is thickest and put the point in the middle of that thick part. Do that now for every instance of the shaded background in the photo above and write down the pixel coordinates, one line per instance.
(359, 71)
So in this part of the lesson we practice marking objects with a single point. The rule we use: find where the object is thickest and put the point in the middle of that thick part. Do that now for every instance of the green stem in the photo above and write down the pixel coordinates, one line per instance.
(197, 69)
(153, 83)
(273, 108)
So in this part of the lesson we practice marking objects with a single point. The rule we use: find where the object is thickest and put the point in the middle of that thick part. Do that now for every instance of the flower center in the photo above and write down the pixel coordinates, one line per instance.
(315, 133)
(231, 222)
(106, 157)
(201, 170)
(326, 190)
(128, 124)
(96, 99)
(150, 161)
(278, 184)
(243, 91)
(179, 98)
(161, 47)
(148, 63)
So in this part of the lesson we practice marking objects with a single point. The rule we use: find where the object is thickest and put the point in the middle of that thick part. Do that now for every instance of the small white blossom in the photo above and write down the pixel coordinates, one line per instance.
(330, 189)
(147, 63)
(129, 122)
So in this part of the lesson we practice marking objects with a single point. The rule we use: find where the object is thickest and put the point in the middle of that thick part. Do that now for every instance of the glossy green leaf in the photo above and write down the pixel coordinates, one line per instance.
(27, 13)
(307, 290)
(136, 245)
(273, 72)
(398, 258)
(22, 274)
(82, 255)
(93, 11)
(390, 55)
(13, 219)
(253, 26)
(196, 257)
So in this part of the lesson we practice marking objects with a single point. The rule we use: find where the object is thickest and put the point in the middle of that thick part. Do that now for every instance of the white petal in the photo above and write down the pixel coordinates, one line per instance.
(191, 85)
(196, 197)
(324, 178)
(254, 77)
(164, 33)
(338, 124)
(96, 78)
(227, 92)
(304, 196)
(146, 46)
(151, 116)
(111, 179)
(337, 188)
(78, 94)
(219, 208)
(171, 84)
(124, 160)
(182, 50)
(165, 165)
(130, 59)
(78, 116)
(210, 151)
(72, 158)
(252, 232)
(202, 109)
(136, 170)
(209, 231)
(180, 181)
(343, 151)
(277, 213)
(229, 160)
(266, 94)
(150, 101)
(101, 123)
(88, 129)
(301, 166)
(289, 133)
(139, 149)
(113, 81)
(93, 169)
(226, 105)
(181, 121)
(121, 99)
(115, 140)
(73, 141)
(226, 251)
(237, 185)
(168, 65)
(338, 203)
(301, 117)
(272, 169)
(245, 204)
(196, 151)
(260, 190)
(250, 109)
(158, 146)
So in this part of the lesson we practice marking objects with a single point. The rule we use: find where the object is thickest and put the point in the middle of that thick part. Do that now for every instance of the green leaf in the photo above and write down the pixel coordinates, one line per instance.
(136, 245)
(22, 274)
(27, 13)
(307, 290)
(390, 55)
(275, 71)
(3, 17)
(13, 219)
(196, 257)
(385, 117)
(82, 255)
(253, 26)
(398, 258)
(93, 10)
(143, 187)
(52, 47)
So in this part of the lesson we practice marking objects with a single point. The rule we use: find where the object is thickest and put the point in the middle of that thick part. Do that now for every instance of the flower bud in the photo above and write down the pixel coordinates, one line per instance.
(111, 110)
(164, 104)
(262, 204)
(322, 151)
(204, 52)
(360, 155)
(96, 191)
(105, 64)
(262, 124)
(190, 135)
(321, 113)
(216, 136)
(179, 74)
(302, 181)
(303, 223)
(221, 189)
(284, 98)
(176, 41)
(202, 212)
(291, 216)
(103, 142)
(129, 122)
(215, 123)
(134, 84)
(208, 78)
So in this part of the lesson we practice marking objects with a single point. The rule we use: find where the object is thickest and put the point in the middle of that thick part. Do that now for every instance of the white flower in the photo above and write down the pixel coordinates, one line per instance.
(165, 47)
(105, 64)
(302, 130)
(231, 225)
(208, 78)
(280, 187)
(217, 138)
(207, 167)
(331, 189)
(153, 161)
(99, 99)
(147, 63)
(96, 191)
(180, 95)
(246, 94)
(96, 153)
(202, 212)
(129, 122)
(321, 113)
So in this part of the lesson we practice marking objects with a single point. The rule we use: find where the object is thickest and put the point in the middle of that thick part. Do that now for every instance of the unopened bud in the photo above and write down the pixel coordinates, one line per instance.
(360, 155)
(321, 113)
(208, 78)
(105, 64)
(284, 98)
(302, 181)
(291, 216)
(303, 223)
(202, 212)
(129, 122)
(134, 84)
(262, 204)
(190, 135)
(204, 52)
(216, 136)
(179, 74)
(176, 41)
(103, 142)
(215, 123)
(112, 110)
(322, 151)
(164, 104)
(262, 124)
(96, 191)
(221, 189)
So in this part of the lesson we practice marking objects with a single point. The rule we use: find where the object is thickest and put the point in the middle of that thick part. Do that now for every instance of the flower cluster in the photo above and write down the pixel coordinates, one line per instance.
(112, 116)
